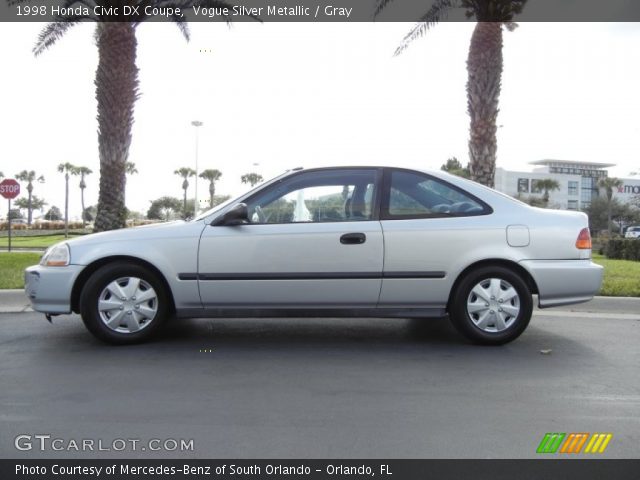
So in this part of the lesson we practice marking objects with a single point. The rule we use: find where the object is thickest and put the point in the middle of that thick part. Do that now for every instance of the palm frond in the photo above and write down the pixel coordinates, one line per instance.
(437, 13)
(380, 5)
(182, 25)
(53, 32)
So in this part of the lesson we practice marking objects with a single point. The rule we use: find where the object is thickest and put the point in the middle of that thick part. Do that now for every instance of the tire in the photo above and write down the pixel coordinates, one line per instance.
(123, 303)
(491, 305)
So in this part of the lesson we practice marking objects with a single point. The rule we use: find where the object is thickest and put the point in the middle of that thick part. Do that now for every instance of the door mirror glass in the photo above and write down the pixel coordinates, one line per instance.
(236, 215)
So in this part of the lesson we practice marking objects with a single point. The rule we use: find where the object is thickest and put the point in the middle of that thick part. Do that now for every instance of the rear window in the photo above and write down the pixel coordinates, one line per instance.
(415, 195)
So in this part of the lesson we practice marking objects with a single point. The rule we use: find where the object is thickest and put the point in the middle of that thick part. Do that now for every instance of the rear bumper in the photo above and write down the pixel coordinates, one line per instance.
(563, 282)
(49, 288)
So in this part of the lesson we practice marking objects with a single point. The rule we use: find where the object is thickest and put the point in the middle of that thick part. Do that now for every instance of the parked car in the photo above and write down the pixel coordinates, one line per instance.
(344, 241)
(632, 232)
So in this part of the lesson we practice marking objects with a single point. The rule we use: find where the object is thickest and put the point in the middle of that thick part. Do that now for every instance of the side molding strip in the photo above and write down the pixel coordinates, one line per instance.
(309, 275)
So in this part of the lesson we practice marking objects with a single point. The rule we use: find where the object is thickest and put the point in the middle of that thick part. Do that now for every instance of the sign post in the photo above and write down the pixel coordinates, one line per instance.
(9, 189)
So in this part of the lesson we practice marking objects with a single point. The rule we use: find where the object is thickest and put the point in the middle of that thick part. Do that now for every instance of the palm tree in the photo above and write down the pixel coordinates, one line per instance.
(251, 178)
(547, 185)
(83, 172)
(1, 175)
(213, 176)
(185, 173)
(608, 184)
(116, 84)
(484, 70)
(66, 168)
(29, 177)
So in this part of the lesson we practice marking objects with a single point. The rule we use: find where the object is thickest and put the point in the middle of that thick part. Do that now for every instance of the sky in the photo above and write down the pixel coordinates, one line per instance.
(275, 96)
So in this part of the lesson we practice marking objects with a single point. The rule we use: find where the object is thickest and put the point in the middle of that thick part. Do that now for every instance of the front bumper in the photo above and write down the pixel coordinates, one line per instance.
(564, 282)
(49, 288)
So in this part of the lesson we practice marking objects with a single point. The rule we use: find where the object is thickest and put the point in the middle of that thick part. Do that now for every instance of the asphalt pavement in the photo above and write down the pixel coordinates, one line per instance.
(321, 388)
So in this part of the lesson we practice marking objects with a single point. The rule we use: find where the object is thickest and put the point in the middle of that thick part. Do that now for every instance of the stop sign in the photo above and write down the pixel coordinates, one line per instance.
(9, 188)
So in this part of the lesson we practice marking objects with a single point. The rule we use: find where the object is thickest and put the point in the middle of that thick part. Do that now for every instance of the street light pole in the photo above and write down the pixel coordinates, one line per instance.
(196, 124)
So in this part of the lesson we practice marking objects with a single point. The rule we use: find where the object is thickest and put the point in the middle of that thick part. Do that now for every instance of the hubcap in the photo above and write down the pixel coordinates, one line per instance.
(127, 305)
(493, 305)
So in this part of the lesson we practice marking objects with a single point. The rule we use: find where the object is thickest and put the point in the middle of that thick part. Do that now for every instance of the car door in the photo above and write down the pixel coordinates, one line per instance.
(429, 227)
(313, 240)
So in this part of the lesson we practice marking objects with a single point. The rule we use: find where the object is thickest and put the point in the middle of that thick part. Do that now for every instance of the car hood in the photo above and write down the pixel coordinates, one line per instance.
(156, 231)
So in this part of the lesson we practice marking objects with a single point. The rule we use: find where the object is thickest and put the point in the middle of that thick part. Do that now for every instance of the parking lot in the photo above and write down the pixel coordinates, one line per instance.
(315, 388)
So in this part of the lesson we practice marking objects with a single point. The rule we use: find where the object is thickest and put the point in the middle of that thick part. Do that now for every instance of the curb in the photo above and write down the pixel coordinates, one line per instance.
(14, 301)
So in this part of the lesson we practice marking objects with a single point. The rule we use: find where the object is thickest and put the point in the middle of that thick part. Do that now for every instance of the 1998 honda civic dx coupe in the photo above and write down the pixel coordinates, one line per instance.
(343, 241)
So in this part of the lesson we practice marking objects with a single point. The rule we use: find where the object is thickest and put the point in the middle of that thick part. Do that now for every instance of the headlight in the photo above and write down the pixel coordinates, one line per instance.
(56, 256)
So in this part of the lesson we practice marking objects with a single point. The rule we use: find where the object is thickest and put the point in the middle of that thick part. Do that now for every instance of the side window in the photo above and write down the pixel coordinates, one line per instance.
(319, 196)
(416, 195)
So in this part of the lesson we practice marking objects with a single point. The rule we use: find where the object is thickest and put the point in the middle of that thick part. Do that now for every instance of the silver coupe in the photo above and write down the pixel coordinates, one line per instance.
(344, 241)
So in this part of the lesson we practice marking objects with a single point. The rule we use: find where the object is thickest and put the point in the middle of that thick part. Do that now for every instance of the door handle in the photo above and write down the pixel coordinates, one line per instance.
(353, 238)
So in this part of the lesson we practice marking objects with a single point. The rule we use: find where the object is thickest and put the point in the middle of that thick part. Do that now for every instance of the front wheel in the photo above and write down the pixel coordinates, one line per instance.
(491, 306)
(123, 303)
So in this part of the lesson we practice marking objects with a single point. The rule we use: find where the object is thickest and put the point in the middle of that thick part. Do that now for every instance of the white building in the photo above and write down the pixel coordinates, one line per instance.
(578, 183)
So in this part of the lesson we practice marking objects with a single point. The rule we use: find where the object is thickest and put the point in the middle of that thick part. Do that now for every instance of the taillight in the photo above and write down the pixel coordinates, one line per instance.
(584, 240)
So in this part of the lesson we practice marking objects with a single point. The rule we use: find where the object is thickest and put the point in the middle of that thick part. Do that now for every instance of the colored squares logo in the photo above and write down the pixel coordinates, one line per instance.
(574, 443)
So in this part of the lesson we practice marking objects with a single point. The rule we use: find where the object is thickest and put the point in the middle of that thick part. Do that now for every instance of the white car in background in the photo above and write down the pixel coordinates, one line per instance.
(344, 241)
(632, 232)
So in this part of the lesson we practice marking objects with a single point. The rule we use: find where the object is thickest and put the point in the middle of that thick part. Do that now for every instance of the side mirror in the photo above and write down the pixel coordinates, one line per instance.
(236, 215)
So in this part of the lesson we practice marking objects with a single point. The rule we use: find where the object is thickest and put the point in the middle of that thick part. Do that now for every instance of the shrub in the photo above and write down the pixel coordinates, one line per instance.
(623, 249)
(14, 226)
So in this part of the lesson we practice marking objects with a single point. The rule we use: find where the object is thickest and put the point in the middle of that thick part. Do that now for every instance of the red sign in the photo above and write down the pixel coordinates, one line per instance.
(9, 188)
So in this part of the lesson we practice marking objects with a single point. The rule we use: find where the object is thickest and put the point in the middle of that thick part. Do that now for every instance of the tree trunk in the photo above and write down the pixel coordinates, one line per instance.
(84, 223)
(212, 191)
(609, 200)
(184, 204)
(484, 68)
(116, 91)
(66, 205)
(29, 209)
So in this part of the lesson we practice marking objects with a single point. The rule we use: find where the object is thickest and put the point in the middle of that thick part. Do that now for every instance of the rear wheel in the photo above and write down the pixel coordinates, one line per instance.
(491, 305)
(123, 303)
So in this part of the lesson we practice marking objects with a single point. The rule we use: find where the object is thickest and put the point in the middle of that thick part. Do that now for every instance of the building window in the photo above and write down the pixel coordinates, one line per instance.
(573, 187)
(586, 195)
(588, 183)
(572, 205)
(523, 185)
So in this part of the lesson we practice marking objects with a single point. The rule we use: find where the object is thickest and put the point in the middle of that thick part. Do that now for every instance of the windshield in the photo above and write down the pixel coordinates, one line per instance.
(233, 200)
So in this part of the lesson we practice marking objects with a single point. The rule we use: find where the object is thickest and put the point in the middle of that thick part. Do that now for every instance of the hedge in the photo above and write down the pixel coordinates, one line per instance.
(623, 249)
